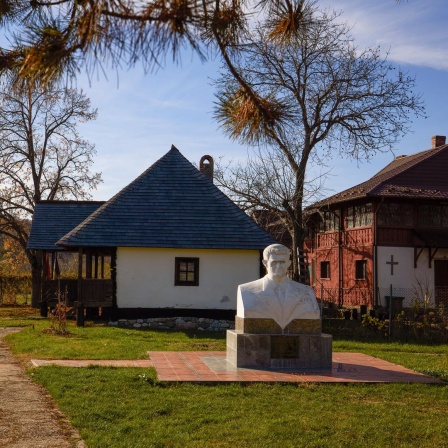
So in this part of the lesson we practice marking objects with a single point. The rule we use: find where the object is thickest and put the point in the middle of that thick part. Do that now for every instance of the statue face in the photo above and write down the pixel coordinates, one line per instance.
(277, 265)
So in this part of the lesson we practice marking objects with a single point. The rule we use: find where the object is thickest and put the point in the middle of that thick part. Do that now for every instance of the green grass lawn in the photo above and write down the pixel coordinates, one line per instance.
(128, 408)
(18, 315)
(103, 342)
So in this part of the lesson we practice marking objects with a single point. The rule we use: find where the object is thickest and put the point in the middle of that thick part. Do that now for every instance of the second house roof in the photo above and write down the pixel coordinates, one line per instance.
(421, 175)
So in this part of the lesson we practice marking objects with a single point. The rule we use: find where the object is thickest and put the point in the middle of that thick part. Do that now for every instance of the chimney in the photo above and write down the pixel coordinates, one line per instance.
(438, 140)
(206, 166)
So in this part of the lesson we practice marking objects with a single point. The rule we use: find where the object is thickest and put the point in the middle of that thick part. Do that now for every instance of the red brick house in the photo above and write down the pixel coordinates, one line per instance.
(390, 231)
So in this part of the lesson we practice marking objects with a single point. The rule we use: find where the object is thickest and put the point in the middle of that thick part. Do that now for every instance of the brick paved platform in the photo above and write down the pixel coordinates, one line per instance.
(347, 368)
(212, 367)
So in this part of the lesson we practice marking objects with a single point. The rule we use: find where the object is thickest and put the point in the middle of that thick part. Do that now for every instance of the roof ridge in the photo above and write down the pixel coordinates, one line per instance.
(68, 201)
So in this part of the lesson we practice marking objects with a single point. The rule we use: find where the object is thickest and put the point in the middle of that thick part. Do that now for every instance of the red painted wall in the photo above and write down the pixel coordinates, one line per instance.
(341, 287)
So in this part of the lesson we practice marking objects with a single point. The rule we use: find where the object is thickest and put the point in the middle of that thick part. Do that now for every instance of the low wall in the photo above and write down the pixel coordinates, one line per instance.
(176, 323)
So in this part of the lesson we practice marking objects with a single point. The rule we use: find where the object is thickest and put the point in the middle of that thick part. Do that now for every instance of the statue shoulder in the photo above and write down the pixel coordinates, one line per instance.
(251, 286)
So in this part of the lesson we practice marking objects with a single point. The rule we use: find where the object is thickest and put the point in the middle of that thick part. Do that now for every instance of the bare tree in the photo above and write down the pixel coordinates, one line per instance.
(42, 157)
(300, 89)
(261, 184)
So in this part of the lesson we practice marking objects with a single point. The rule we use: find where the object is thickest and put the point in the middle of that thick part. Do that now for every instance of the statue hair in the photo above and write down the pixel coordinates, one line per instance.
(277, 249)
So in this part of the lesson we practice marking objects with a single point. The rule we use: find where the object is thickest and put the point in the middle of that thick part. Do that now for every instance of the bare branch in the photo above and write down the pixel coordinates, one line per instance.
(41, 153)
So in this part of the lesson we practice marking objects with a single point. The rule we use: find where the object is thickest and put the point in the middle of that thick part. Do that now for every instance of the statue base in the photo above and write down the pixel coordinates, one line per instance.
(270, 326)
(271, 350)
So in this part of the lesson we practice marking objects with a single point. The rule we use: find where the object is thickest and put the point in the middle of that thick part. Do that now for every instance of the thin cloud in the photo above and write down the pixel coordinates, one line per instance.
(413, 31)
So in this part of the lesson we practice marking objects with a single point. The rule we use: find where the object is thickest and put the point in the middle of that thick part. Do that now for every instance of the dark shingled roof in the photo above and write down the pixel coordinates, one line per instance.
(170, 205)
(421, 175)
(53, 219)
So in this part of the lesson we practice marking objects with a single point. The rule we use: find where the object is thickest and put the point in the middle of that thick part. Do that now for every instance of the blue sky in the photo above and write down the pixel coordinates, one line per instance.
(140, 115)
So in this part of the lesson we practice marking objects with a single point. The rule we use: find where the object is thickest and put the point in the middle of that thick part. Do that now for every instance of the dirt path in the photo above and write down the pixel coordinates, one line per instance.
(29, 418)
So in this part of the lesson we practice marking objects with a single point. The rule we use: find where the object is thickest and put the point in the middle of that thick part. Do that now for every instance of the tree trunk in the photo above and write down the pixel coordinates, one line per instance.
(35, 259)
(297, 244)
(298, 237)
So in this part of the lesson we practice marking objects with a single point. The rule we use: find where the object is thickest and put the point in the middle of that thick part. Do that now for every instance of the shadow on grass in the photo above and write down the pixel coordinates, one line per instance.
(191, 334)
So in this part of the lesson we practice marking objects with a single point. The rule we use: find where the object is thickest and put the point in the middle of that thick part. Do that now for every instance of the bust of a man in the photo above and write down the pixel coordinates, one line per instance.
(275, 296)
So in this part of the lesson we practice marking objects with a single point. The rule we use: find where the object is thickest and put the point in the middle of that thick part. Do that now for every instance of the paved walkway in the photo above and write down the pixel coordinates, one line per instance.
(29, 417)
(212, 367)
(92, 362)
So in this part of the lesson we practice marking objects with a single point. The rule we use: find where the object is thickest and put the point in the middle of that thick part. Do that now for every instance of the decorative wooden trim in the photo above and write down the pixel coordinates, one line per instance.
(417, 255)
(432, 255)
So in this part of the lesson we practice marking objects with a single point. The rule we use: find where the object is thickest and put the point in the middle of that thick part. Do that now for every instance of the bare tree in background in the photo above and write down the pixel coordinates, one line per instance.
(300, 90)
(260, 185)
(42, 157)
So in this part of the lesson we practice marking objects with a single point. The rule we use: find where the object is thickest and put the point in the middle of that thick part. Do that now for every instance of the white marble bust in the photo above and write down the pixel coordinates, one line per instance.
(275, 296)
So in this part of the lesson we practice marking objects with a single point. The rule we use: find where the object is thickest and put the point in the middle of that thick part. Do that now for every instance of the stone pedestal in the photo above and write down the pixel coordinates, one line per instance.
(258, 343)
(270, 326)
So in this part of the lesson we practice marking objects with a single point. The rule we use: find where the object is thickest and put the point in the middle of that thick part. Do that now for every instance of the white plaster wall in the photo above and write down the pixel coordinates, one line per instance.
(406, 278)
(145, 277)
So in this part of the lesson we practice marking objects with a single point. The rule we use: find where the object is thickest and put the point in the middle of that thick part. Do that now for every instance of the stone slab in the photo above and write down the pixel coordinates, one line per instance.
(213, 368)
(300, 351)
(270, 326)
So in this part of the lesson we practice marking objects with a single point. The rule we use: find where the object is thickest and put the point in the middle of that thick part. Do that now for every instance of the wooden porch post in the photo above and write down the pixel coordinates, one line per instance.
(43, 302)
(96, 265)
(88, 263)
(102, 266)
(52, 266)
(113, 273)
(78, 304)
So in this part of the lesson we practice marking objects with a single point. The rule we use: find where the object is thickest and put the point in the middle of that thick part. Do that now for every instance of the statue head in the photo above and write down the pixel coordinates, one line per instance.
(276, 259)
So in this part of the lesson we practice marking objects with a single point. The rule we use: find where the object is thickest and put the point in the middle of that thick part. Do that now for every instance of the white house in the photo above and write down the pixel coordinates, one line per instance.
(177, 245)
